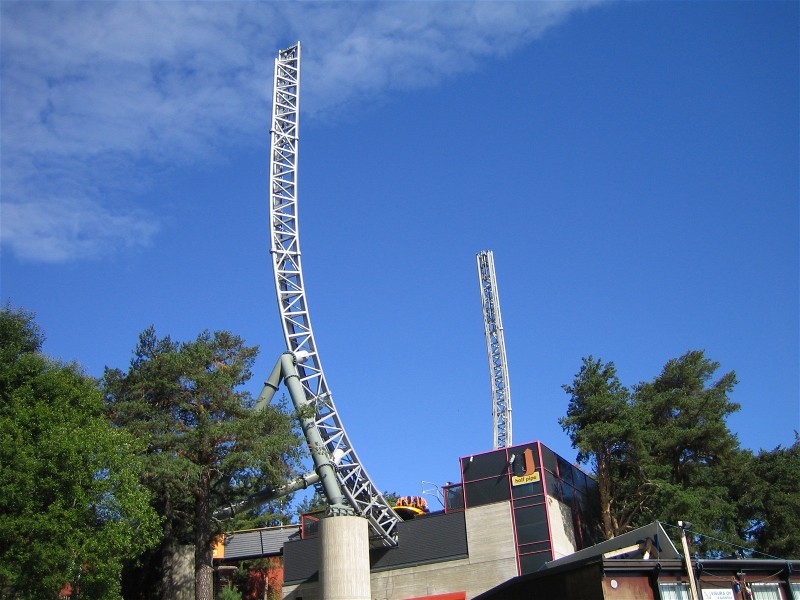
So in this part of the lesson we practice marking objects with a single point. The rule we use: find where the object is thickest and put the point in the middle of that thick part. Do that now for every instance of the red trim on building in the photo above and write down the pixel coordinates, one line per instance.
(450, 596)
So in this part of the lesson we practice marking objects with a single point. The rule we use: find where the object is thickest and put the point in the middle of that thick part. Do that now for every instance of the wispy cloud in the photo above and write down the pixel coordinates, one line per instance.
(94, 93)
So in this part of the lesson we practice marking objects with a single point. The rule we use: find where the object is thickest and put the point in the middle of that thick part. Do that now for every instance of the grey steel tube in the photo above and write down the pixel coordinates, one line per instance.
(265, 495)
(270, 387)
(322, 462)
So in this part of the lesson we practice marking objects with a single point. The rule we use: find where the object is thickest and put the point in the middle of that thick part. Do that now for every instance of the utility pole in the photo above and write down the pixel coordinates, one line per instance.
(684, 525)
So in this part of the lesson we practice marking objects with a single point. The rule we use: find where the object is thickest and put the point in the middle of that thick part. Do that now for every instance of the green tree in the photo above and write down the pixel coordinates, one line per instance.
(279, 511)
(311, 504)
(663, 452)
(71, 505)
(600, 422)
(689, 445)
(773, 510)
(206, 447)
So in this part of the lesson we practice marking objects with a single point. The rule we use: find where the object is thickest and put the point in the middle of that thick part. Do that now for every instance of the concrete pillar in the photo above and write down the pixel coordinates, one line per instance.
(344, 560)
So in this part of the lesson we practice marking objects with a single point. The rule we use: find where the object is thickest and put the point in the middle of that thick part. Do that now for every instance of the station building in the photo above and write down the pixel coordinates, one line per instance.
(514, 510)
(521, 523)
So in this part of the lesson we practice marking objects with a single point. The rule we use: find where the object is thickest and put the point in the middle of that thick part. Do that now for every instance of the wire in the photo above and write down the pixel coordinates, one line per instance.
(769, 578)
(703, 535)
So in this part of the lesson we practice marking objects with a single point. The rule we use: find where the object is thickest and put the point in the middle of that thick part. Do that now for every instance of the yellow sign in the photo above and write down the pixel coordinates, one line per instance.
(531, 475)
(523, 479)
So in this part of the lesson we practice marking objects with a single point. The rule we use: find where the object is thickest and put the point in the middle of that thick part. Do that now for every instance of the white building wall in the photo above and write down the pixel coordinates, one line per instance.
(562, 531)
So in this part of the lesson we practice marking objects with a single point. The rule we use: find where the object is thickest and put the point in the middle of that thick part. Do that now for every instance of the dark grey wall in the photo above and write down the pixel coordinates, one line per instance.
(427, 539)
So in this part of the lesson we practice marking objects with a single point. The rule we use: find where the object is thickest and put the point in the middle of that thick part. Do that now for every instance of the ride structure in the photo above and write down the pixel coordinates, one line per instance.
(328, 443)
(496, 349)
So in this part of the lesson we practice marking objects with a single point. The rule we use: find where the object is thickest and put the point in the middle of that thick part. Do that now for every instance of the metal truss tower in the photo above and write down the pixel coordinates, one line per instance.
(496, 347)
(360, 492)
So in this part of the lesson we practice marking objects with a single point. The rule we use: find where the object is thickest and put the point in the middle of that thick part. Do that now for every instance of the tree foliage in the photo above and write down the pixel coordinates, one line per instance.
(600, 424)
(689, 445)
(260, 578)
(773, 511)
(664, 452)
(205, 446)
(71, 504)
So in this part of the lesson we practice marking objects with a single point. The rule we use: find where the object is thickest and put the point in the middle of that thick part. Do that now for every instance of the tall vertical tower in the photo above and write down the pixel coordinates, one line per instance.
(496, 349)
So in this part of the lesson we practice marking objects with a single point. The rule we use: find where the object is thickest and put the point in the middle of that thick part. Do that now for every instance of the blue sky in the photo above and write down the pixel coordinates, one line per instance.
(633, 166)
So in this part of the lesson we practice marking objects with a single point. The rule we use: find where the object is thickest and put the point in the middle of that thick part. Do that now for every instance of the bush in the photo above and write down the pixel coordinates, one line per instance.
(230, 594)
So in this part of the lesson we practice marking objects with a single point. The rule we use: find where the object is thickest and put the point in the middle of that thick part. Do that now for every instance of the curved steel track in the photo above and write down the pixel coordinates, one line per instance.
(357, 487)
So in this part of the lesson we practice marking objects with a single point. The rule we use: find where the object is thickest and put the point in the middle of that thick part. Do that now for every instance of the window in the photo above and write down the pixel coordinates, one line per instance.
(565, 470)
(483, 466)
(528, 563)
(486, 478)
(529, 501)
(549, 459)
(309, 524)
(674, 591)
(766, 591)
(580, 480)
(795, 590)
(453, 498)
(527, 489)
(553, 486)
(531, 523)
(568, 494)
(486, 491)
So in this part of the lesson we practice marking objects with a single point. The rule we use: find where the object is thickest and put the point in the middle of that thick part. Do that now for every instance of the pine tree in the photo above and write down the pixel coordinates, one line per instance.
(206, 447)
(663, 452)
(600, 424)
(689, 445)
(774, 510)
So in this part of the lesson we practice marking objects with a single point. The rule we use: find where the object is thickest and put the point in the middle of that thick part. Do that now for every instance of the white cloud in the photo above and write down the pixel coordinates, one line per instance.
(101, 83)
(62, 229)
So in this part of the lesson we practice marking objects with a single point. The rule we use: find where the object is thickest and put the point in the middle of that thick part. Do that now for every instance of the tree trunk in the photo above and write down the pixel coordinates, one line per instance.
(604, 485)
(203, 551)
(204, 576)
(166, 554)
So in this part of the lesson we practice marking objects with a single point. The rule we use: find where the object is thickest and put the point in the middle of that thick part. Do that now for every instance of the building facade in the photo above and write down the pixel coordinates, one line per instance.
(514, 510)
(523, 523)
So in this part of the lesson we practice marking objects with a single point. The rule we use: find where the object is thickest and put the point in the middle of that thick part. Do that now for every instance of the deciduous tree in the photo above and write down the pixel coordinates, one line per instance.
(72, 508)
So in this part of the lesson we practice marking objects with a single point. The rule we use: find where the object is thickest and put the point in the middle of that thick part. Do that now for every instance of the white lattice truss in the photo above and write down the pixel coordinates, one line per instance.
(356, 485)
(496, 348)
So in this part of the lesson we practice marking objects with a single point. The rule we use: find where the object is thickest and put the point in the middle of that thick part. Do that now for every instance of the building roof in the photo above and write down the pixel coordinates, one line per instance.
(259, 542)
(650, 541)
(644, 550)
